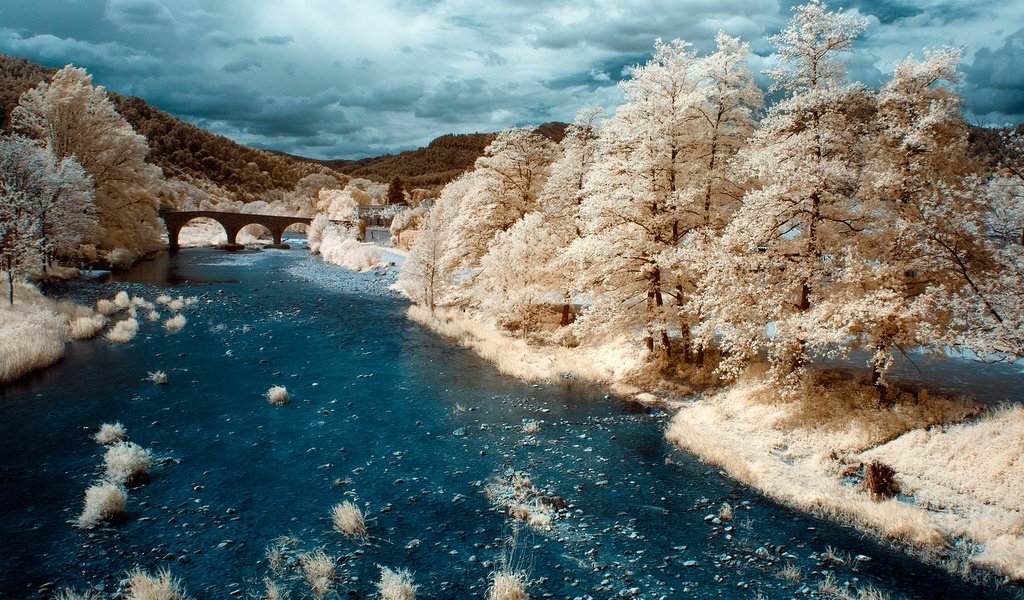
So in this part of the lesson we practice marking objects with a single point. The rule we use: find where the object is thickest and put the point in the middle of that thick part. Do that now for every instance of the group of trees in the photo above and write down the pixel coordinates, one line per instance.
(844, 218)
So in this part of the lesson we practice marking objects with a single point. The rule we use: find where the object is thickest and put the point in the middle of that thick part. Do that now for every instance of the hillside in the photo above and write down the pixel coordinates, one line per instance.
(177, 147)
(442, 160)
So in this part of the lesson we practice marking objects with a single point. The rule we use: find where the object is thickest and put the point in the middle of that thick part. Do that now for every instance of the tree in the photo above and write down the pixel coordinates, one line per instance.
(778, 257)
(503, 187)
(396, 194)
(54, 196)
(661, 177)
(428, 271)
(74, 118)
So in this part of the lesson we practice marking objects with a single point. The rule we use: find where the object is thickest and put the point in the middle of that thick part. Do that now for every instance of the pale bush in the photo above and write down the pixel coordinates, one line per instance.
(175, 323)
(153, 316)
(273, 591)
(31, 337)
(157, 377)
(319, 570)
(348, 520)
(508, 585)
(121, 300)
(84, 328)
(396, 585)
(103, 502)
(162, 586)
(278, 395)
(531, 427)
(120, 258)
(105, 307)
(126, 461)
(123, 331)
(176, 305)
(163, 299)
(110, 433)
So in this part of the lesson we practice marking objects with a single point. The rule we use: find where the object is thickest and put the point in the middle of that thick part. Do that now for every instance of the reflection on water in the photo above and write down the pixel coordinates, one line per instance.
(388, 415)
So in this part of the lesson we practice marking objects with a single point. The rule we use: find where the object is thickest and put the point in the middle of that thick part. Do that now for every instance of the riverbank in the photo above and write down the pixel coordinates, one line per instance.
(958, 466)
(34, 330)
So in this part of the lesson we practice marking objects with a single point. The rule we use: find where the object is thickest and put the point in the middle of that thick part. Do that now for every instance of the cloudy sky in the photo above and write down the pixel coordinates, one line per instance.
(353, 78)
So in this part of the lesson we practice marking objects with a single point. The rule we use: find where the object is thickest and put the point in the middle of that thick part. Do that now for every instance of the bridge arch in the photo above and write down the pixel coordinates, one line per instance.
(232, 223)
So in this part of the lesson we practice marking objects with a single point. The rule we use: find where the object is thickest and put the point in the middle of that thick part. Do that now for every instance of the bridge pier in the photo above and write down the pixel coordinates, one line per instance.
(172, 237)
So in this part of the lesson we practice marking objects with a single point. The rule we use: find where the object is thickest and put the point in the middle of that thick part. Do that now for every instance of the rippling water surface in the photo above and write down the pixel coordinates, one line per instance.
(389, 415)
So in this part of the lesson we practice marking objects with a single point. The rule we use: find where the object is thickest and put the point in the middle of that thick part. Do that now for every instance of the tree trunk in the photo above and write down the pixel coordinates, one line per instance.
(566, 311)
(10, 286)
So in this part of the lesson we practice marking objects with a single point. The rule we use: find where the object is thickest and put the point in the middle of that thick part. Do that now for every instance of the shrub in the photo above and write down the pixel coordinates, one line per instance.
(508, 585)
(121, 300)
(348, 520)
(319, 570)
(278, 395)
(162, 586)
(123, 331)
(157, 377)
(396, 585)
(110, 433)
(103, 502)
(273, 591)
(176, 305)
(163, 299)
(725, 513)
(126, 462)
(531, 427)
(175, 323)
(105, 307)
(84, 328)
(153, 316)
(879, 481)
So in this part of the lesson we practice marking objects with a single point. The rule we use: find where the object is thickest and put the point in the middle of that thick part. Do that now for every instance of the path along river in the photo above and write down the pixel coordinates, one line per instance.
(397, 419)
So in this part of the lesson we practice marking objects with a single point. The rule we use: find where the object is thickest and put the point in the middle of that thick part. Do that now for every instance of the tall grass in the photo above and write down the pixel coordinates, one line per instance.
(84, 328)
(110, 433)
(396, 585)
(126, 462)
(123, 331)
(278, 395)
(175, 323)
(319, 570)
(103, 502)
(348, 520)
(161, 586)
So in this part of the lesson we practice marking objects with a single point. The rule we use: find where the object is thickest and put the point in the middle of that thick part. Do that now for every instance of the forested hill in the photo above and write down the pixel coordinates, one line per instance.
(179, 148)
(442, 160)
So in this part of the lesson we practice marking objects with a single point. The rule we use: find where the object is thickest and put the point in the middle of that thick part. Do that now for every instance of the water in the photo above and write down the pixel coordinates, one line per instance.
(385, 413)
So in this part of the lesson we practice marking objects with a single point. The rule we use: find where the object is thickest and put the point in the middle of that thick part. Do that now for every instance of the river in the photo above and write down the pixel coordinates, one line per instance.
(403, 422)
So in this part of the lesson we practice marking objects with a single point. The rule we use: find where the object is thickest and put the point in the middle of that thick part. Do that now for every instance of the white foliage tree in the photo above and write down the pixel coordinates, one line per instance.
(778, 257)
(55, 196)
(75, 118)
(503, 187)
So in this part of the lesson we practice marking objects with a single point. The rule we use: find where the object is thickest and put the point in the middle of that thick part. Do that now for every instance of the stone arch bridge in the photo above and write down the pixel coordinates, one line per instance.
(232, 223)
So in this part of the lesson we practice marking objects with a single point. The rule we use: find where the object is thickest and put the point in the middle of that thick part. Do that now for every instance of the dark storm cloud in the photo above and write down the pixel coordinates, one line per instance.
(351, 79)
(995, 78)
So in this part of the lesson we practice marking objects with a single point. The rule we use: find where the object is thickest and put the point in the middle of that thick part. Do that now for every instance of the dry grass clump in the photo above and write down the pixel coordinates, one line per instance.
(123, 331)
(278, 395)
(725, 512)
(153, 316)
(523, 501)
(157, 377)
(162, 586)
(531, 427)
(126, 462)
(508, 585)
(106, 307)
(85, 328)
(163, 299)
(31, 335)
(273, 591)
(319, 570)
(175, 323)
(879, 481)
(348, 520)
(396, 585)
(790, 572)
(103, 502)
(121, 300)
(110, 433)
(176, 305)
